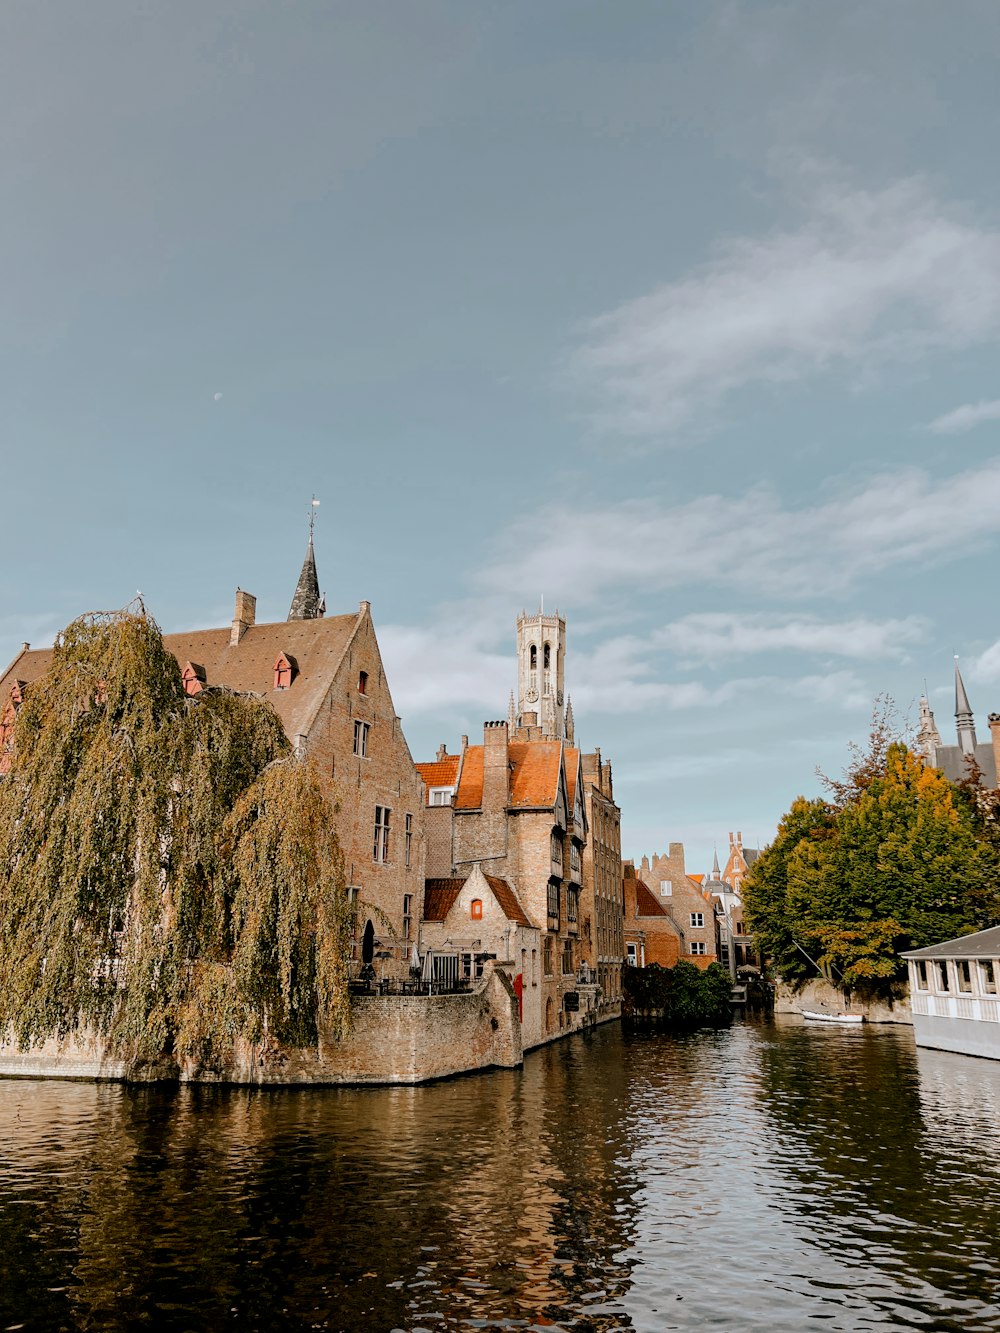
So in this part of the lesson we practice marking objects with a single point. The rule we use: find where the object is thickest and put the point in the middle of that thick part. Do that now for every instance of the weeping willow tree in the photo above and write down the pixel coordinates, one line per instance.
(170, 877)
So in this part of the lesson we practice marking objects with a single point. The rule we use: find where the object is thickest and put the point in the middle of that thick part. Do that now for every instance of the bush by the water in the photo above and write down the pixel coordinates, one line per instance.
(682, 996)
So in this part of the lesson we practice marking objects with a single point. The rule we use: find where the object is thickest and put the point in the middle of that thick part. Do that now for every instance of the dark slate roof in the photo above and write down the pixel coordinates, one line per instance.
(982, 944)
(750, 854)
(305, 603)
(950, 759)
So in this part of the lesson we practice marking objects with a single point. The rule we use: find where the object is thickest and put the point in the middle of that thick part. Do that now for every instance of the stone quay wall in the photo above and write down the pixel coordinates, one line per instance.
(396, 1039)
(821, 997)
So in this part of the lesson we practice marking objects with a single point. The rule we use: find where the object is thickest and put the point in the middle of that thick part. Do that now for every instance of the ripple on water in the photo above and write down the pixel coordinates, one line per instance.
(768, 1177)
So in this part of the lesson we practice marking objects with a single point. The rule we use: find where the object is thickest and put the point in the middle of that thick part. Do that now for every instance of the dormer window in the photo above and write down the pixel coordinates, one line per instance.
(362, 682)
(285, 670)
(193, 678)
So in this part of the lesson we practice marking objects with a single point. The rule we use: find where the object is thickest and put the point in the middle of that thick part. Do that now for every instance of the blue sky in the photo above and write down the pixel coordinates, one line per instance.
(683, 316)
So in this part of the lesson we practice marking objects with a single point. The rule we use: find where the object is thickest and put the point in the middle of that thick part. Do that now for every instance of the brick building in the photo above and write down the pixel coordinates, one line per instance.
(323, 676)
(688, 905)
(601, 902)
(468, 920)
(650, 935)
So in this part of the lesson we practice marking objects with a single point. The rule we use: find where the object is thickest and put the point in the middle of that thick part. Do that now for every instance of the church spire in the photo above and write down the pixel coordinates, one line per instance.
(306, 604)
(928, 737)
(964, 721)
(716, 872)
(570, 725)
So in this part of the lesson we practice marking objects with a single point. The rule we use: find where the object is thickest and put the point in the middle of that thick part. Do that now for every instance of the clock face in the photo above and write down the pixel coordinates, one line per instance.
(531, 695)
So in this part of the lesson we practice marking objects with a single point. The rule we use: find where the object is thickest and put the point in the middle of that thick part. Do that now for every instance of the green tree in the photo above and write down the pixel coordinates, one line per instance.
(803, 833)
(900, 860)
(169, 873)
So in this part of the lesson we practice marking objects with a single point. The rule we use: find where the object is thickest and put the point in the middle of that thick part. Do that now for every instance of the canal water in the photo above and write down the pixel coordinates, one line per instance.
(772, 1177)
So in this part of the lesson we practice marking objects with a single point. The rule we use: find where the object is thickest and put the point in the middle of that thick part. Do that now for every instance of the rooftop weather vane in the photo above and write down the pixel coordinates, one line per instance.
(313, 506)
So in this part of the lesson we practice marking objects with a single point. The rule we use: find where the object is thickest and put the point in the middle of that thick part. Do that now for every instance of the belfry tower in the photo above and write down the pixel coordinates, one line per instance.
(541, 667)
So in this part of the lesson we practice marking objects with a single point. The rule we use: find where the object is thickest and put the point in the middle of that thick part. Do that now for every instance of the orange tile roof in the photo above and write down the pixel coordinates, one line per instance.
(439, 897)
(645, 901)
(535, 779)
(572, 765)
(534, 775)
(439, 772)
(316, 645)
(507, 899)
(470, 788)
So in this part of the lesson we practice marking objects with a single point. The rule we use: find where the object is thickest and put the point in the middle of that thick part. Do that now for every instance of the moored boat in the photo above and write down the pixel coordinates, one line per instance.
(811, 1016)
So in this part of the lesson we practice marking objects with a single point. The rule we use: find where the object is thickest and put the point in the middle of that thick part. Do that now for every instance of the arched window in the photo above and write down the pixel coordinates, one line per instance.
(477, 909)
(362, 682)
(547, 653)
(533, 657)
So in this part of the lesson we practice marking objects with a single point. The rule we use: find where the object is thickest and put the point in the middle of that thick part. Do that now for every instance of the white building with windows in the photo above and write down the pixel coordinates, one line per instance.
(954, 994)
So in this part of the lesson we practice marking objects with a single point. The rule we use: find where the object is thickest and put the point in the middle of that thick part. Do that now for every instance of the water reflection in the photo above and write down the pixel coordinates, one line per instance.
(761, 1178)
(489, 1199)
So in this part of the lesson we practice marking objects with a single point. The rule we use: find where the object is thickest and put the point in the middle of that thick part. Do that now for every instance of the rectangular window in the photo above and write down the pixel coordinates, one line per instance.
(697, 919)
(534, 967)
(572, 901)
(409, 839)
(987, 976)
(553, 901)
(361, 739)
(556, 848)
(441, 796)
(921, 975)
(631, 952)
(547, 956)
(698, 946)
(381, 845)
(964, 970)
(943, 977)
(666, 887)
(567, 958)
(407, 916)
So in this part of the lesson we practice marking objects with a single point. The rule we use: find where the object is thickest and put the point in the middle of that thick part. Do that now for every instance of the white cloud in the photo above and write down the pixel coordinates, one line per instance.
(707, 636)
(752, 542)
(985, 668)
(434, 667)
(868, 278)
(966, 417)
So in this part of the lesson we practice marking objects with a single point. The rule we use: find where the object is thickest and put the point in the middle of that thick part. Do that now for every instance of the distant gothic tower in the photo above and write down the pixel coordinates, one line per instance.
(541, 666)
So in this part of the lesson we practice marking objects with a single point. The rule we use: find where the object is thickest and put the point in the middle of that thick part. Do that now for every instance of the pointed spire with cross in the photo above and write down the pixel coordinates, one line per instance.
(307, 604)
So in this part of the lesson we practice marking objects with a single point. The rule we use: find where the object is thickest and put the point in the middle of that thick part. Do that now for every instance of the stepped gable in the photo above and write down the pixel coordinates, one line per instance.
(439, 897)
(247, 666)
(507, 899)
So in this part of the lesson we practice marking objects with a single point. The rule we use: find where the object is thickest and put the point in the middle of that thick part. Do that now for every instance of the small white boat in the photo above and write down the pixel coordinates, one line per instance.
(811, 1016)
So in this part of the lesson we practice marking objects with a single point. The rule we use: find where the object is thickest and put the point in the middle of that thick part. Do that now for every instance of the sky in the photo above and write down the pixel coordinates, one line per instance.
(683, 317)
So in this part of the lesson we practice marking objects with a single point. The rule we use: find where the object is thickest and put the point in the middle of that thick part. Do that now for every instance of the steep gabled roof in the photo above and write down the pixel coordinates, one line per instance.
(646, 903)
(248, 666)
(508, 900)
(536, 767)
(439, 897)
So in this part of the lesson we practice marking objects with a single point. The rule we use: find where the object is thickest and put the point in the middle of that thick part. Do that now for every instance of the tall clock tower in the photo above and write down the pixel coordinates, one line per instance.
(541, 666)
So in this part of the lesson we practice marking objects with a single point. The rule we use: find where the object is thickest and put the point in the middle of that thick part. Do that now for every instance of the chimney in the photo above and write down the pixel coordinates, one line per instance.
(442, 752)
(496, 787)
(995, 738)
(465, 744)
(245, 617)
